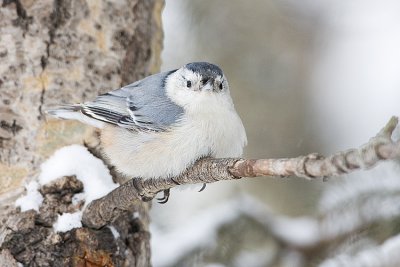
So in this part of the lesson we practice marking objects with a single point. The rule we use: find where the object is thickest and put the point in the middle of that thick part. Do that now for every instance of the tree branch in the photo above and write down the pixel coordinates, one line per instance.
(209, 170)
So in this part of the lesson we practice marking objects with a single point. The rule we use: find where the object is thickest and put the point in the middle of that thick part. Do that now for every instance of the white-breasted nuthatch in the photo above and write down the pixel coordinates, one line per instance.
(160, 125)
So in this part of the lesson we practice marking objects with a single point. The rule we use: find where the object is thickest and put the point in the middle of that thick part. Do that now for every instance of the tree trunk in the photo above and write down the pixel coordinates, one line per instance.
(65, 51)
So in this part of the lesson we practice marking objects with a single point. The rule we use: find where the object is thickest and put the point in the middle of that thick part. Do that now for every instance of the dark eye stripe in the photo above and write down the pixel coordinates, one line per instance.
(189, 84)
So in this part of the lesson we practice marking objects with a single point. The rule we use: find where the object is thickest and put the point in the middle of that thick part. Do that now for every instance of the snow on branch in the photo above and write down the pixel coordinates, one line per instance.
(208, 170)
(385, 255)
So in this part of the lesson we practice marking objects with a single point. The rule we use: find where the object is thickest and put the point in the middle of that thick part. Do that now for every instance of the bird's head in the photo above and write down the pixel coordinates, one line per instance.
(197, 82)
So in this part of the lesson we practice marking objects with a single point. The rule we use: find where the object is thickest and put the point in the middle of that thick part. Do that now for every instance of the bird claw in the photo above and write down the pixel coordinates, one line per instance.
(164, 199)
(203, 187)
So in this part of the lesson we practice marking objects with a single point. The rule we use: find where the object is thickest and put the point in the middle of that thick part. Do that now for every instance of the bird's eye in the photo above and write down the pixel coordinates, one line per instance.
(220, 86)
(189, 84)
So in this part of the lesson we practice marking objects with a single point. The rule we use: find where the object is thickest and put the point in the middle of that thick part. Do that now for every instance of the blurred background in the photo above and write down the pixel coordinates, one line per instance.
(305, 76)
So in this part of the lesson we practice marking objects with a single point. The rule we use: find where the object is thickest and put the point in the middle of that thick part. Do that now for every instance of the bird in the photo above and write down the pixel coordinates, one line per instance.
(159, 126)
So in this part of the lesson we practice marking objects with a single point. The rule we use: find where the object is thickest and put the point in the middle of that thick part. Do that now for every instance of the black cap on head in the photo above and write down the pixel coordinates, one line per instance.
(205, 69)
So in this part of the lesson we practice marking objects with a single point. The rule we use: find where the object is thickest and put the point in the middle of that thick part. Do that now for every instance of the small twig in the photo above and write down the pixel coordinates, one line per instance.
(209, 170)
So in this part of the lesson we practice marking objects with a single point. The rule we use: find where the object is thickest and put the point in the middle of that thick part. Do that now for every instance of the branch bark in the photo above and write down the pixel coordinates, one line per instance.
(208, 170)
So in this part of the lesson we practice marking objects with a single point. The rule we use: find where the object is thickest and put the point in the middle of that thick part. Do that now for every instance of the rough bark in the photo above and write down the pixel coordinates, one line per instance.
(63, 51)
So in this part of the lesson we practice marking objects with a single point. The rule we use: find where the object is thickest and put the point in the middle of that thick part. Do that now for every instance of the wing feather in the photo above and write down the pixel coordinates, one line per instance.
(142, 105)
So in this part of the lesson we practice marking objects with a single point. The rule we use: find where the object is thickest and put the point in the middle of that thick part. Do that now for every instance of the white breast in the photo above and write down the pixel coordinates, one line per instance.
(210, 128)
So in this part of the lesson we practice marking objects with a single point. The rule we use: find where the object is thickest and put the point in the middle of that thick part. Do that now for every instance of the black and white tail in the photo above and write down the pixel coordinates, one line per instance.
(73, 112)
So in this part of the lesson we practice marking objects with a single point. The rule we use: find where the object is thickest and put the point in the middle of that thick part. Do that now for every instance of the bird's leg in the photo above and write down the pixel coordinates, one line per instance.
(164, 199)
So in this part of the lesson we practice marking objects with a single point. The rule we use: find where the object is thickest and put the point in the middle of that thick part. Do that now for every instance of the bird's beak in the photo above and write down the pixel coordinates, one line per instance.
(209, 85)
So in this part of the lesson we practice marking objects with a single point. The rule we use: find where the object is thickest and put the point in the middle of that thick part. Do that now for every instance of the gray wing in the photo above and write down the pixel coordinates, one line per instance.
(142, 105)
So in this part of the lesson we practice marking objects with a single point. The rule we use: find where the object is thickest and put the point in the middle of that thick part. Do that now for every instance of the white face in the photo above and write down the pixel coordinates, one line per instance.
(196, 82)
(188, 88)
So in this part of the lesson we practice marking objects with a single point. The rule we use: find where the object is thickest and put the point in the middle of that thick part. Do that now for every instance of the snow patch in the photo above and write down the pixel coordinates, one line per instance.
(383, 255)
(70, 160)
(300, 231)
(68, 221)
(258, 258)
(32, 200)
(78, 198)
(76, 160)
